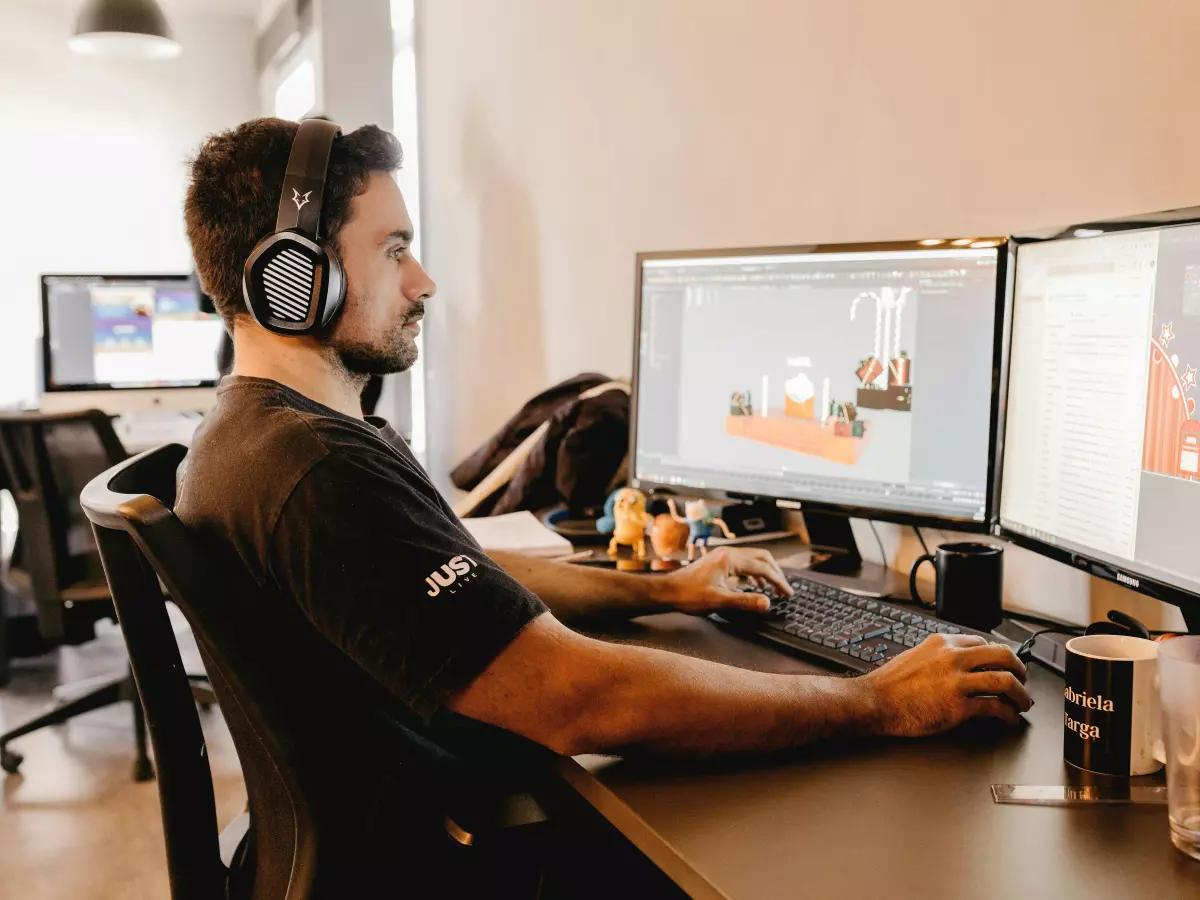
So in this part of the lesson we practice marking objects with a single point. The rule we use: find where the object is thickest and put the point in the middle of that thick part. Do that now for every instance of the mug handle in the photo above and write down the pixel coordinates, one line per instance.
(912, 578)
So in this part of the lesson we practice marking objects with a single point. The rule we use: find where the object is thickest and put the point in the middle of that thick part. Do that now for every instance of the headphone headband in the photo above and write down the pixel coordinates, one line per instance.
(300, 201)
(292, 282)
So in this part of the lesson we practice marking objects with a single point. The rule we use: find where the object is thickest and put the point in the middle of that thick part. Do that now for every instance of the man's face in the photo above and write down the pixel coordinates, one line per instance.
(386, 288)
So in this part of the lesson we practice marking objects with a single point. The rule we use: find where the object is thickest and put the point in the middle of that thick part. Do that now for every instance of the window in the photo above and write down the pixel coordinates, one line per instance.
(297, 92)
(404, 116)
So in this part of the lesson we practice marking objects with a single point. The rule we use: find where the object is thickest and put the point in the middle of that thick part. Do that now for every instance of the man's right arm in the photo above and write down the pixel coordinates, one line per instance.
(575, 694)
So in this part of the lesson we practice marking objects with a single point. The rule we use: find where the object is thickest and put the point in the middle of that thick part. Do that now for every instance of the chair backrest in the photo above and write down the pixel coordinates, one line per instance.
(312, 732)
(48, 458)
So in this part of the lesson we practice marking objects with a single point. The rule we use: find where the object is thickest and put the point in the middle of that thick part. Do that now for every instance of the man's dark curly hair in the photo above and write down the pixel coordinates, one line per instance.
(236, 179)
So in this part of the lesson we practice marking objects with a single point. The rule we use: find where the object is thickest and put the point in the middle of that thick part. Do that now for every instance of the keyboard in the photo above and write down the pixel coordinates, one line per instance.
(836, 626)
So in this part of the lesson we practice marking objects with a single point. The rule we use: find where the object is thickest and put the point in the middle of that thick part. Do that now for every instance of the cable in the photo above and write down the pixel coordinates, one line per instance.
(1025, 651)
(1063, 627)
(883, 559)
(924, 546)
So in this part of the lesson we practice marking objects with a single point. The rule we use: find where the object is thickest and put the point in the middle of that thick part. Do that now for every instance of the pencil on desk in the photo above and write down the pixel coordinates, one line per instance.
(579, 554)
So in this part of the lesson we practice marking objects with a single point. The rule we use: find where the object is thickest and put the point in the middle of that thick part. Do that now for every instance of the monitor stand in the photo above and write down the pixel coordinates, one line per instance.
(837, 562)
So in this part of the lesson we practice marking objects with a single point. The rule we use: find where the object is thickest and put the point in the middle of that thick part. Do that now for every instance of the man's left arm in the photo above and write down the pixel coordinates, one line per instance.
(707, 585)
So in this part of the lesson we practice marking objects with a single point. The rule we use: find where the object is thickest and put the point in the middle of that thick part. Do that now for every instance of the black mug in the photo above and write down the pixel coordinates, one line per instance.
(1111, 712)
(970, 583)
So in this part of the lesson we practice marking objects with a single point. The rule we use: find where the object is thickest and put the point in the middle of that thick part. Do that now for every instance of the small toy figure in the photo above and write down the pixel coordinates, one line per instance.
(668, 536)
(631, 519)
(606, 524)
(700, 525)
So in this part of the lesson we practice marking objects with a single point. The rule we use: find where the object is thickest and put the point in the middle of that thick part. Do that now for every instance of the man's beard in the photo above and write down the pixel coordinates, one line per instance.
(396, 353)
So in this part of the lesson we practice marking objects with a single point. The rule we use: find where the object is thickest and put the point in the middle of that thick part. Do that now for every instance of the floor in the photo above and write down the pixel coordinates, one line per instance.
(73, 823)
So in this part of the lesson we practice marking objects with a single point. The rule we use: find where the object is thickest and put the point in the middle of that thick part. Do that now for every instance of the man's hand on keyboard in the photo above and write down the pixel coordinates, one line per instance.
(710, 584)
(945, 680)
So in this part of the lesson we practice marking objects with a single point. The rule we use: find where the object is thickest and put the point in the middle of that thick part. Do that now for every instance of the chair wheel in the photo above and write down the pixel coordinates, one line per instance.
(143, 770)
(10, 761)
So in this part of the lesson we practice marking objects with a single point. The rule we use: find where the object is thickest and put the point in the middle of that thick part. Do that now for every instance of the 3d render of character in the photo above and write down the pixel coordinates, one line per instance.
(741, 404)
(631, 519)
(700, 521)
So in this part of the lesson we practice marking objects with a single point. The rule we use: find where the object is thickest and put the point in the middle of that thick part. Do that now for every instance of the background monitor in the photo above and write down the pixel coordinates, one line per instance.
(127, 343)
(857, 379)
(1101, 447)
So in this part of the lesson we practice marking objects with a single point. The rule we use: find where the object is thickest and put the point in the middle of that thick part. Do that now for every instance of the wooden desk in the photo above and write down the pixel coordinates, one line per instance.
(887, 819)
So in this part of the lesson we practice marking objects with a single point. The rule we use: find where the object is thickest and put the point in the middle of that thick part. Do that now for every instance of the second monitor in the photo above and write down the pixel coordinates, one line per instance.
(126, 343)
(859, 379)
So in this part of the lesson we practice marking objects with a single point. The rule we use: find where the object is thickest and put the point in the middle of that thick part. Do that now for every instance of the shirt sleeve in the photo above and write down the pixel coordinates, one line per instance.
(367, 550)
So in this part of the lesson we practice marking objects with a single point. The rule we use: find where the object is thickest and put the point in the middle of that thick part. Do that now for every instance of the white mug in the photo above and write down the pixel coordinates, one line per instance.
(1111, 713)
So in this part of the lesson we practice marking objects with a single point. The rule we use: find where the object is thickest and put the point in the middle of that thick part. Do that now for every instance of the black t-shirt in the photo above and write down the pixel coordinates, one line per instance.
(336, 515)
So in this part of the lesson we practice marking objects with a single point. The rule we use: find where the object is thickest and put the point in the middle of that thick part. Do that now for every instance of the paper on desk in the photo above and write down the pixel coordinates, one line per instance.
(518, 532)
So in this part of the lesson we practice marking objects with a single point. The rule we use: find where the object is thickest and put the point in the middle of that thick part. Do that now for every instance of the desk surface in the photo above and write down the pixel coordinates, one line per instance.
(891, 819)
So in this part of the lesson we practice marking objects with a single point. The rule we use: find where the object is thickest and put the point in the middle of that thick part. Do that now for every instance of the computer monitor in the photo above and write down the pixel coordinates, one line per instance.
(127, 343)
(850, 379)
(1101, 442)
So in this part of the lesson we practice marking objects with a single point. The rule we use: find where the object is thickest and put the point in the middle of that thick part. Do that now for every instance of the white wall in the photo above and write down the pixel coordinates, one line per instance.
(94, 153)
(558, 139)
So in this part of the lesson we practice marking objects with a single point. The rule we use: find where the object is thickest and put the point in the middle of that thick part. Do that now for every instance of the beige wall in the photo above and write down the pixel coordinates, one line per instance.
(560, 138)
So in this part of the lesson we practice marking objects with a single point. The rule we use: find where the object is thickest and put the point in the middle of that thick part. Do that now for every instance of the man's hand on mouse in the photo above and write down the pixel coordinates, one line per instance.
(945, 680)
(710, 583)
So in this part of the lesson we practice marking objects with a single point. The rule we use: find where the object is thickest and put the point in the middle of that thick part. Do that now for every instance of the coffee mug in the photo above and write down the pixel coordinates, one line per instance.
(1111, 710)
(970, 583)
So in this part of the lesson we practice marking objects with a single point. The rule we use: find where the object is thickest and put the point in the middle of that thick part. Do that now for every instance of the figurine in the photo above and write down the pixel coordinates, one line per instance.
(700, 525)
(631, 519)
(606, 524)
(668, 536)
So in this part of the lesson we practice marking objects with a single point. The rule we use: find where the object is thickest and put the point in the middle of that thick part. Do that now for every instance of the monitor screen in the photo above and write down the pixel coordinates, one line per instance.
(1102, 442)
(861, 378)
(111, 331)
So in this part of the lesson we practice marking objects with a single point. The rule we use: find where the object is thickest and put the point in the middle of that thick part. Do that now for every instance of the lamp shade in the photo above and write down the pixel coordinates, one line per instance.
(123, 28)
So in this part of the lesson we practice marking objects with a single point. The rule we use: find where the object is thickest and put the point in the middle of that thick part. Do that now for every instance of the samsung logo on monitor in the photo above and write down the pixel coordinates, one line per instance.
(1128, 580)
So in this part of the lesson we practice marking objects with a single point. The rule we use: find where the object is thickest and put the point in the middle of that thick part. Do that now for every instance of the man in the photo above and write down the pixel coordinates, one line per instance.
(333, 513)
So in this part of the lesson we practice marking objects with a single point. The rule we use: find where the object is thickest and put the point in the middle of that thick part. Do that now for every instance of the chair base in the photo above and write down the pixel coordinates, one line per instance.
(10, 761)
(117, 688)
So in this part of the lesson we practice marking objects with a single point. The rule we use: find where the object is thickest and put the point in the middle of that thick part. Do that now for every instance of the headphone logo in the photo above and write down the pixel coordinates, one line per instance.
(298, 200)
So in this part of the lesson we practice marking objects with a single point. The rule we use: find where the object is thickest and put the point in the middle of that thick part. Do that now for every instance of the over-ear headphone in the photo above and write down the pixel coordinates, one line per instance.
(293, 284)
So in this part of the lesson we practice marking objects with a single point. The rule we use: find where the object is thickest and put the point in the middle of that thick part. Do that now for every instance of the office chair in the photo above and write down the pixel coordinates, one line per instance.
(45, 459)
(313, 733)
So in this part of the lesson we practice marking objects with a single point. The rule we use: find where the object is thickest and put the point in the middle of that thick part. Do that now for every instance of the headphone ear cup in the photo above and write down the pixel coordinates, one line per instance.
(335, 293)
(287, 284)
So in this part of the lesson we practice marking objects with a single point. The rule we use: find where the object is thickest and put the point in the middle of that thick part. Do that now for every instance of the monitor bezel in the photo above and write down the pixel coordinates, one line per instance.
(1129, 577)
(999, 358)
(48, 387)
